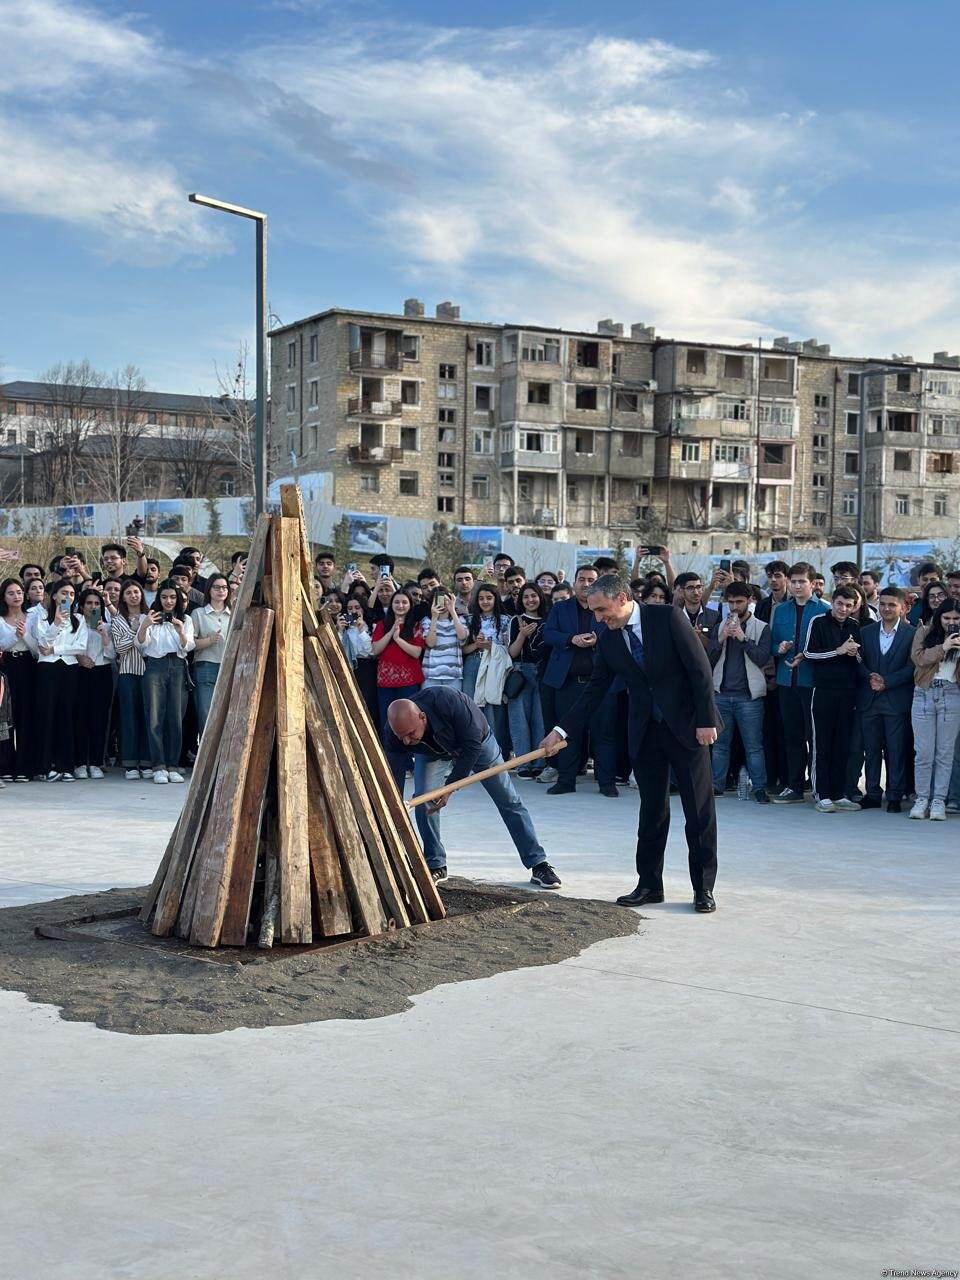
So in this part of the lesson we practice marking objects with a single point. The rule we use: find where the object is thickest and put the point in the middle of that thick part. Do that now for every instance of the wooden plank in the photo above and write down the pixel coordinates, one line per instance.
(330, 891)
(236, 919)
(168, 883)
(363, 731)
(291, 504)
(294, 850)
(330, 722)
(216, 851)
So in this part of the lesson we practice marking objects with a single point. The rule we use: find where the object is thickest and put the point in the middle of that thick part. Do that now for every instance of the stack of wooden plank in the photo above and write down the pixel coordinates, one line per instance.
(292, 829)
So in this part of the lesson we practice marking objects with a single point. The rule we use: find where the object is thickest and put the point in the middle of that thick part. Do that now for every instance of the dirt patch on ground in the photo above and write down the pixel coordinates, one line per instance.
(124, 980)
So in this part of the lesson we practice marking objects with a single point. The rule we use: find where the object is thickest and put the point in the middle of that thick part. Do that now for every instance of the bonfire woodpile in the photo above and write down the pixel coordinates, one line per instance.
(292, 830)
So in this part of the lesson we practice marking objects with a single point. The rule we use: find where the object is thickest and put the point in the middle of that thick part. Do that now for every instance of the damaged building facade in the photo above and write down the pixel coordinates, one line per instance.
(606, 437)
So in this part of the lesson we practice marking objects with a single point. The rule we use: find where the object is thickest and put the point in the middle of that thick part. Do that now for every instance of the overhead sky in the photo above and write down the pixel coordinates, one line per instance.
(723, 171)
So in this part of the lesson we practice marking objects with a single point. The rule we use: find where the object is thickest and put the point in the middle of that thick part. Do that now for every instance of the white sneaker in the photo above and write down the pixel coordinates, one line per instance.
(825, 806)
(160, 777)
(844, 805)
(132, 775)
(549, 775)
(174, 776)
(919, 810)
(146, 773)
(53, 776)
(81, 774)
(96, 771)
(938, 811)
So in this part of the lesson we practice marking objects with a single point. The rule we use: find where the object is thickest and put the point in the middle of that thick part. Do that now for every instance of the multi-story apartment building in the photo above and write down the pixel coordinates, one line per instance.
(598, 437)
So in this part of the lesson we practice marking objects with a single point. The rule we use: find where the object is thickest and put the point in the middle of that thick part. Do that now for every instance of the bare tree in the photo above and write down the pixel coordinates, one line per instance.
(196, 455)
(73, 412)
(122, 423)
(237, 410)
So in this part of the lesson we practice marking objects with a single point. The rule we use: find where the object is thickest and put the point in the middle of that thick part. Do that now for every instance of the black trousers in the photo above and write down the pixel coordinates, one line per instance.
(832, 711)
(94, 703)
(56, 709)
(797, 732)
(659, 752)
(21, 673)
(855, 758)
(602, 737)
(885, 737)
(774, 751)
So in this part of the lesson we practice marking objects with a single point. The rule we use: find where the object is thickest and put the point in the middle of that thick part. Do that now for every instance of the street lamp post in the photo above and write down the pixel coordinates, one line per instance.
(881, 372)
(260, 445)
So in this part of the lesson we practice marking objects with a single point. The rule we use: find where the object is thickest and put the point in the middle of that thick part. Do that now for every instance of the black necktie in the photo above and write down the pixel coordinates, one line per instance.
(636, 649)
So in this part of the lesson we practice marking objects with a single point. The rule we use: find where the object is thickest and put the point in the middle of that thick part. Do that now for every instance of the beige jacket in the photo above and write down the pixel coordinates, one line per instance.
(927, 661)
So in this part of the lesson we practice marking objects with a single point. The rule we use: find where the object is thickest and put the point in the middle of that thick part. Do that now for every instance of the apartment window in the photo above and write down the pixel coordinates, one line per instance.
(446, 391)
(291, 399)
(447, 371)
(690, 451)
(819, 480)
(935, 424)
(583, 442)
(31, 439)
(631, 444)
(314, 348)
(479, 486)
(484, 355)
(782, 414)
(410, 346)
(12, 437)
(291, 355)
(313, 438)
(853, 384)
(627, 402)
(774, 455)
(775, 370)
(735, 410)
(409, 392)
(852, 423)
(445, 460)
(446, 435)
(848, 503)
(942, 388)
(538, 393)
(410, 439)
(728, 452)
(369, 482)
(586, 397)
(903, 382)
(226, 487)
(902, 504)
(371, 434)
(152, 419)
(408, 484)
(446, 415)
(851, 464)
(734, 367)
(903, 460)
(314, 390)
(482, 399)
(820, 442)
(821, 402)
(821, 418)
(483, 441)
(820, 457)
(172, 420)
(616, 361)
(716, 498)
(696, 361)
(941, 464)
(901, 421)
(940, 504)
(546, 352)
(446, 480)
(818, 519)
(540, 441)
(445, 505)
(587, 355)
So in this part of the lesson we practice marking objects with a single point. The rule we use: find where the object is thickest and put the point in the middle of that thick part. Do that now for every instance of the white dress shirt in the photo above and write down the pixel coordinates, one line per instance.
(162, 639)
(887, 637)
(67, 643)
(10, 642)
(632, 625)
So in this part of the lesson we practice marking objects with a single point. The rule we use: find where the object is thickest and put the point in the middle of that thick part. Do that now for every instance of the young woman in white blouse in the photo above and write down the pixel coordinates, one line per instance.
(211, 622)
(20, 672)
(94, 686)
(124, 626)
(165, 638)
(60, 635)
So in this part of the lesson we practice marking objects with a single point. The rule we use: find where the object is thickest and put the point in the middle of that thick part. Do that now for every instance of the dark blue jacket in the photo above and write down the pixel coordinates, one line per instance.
(456, 726)
(562, 624)
(895, 666)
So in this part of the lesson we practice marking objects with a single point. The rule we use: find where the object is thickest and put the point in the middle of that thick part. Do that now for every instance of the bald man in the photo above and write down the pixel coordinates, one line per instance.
(442, 726)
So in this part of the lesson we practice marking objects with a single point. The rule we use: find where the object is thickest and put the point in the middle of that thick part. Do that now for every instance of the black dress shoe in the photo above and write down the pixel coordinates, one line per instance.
(640, 897)
(894, 806)
(561, 789)
(610, 791)
(703, 901)
(869, 802)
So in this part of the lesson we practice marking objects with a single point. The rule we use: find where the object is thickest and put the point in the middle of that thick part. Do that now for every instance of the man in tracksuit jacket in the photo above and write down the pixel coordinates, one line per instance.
(791, 622)
(833, 651)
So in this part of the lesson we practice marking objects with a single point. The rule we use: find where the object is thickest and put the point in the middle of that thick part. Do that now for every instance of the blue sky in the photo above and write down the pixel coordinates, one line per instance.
(721, 171)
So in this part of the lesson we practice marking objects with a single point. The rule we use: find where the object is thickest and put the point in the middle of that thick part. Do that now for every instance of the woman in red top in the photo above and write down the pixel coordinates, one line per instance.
(397, 645)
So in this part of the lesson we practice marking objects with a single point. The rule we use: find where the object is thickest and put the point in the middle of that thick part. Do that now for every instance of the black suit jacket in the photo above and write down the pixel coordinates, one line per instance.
(676, 671)
(895, 666)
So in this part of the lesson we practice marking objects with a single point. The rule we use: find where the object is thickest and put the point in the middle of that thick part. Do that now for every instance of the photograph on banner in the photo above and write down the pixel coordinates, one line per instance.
(367, 533)
(482, 543)
(898, 562)
(587, 555)
(163, 515)
(75, 521)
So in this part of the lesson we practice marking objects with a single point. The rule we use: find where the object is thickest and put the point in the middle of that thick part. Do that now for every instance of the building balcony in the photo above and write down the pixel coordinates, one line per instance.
(533, 514)
(364, 359)
(588, 463)
(684, 470)
(366, 407)
(527, 460)
(374, 454)
(779, 430)
(776, 472)
(630, 466)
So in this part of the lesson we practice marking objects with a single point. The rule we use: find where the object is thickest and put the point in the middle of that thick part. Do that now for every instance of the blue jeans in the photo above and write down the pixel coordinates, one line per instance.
(204, 680)
(134, 748)
(524, 712)
(164, 701)
(471, 666)
(747, 714)
(429, 774)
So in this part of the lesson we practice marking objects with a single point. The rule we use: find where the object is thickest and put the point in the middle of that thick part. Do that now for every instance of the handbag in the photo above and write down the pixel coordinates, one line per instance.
(513, 684)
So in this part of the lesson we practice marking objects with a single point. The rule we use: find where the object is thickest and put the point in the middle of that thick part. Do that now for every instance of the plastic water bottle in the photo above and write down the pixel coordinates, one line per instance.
(744, 785)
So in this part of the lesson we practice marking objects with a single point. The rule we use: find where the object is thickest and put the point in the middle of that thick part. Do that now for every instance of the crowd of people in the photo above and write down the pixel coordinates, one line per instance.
(850, 693)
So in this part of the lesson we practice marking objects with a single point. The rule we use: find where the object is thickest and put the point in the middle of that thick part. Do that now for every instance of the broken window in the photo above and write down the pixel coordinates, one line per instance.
(410, 346)
(586, 397)
(538, 393)
(775, 370)
(409, 392)
(853, 384)
(775, 455)
(484, 356)
(902, 460)
(410, 439)
(628, 402)
(851, 464)
(371, 434)
(853, 423)
(483, 399)
(583, 442)
(941, 464)
(696, 361)
(588, 355)
(447, 435)
(409, 484)
(901, 421)
(631, 444)
(734, 367)
(903, 381)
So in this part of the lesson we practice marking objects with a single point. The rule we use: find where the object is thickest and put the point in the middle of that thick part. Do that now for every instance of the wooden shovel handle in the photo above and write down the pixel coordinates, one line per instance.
(503, 767)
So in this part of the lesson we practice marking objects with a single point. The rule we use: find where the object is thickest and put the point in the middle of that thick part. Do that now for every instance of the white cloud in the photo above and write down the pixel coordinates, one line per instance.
(54, 45)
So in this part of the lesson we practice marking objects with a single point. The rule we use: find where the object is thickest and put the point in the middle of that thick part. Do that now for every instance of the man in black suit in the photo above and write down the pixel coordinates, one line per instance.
(672, 723)
(885, 698)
